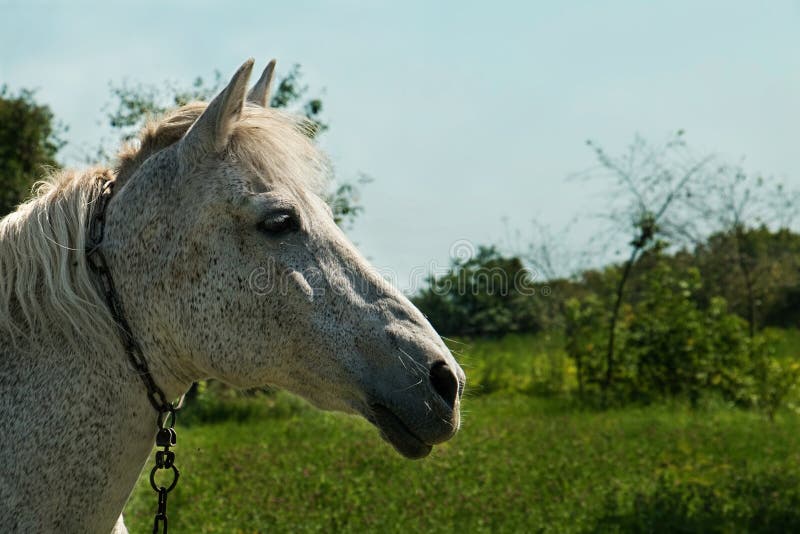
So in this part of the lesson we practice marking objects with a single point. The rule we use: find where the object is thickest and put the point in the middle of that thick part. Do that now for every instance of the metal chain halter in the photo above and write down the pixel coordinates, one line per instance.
(166, 437)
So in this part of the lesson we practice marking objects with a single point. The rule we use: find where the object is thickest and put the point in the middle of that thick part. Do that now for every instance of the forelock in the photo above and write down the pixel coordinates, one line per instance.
(273, 144)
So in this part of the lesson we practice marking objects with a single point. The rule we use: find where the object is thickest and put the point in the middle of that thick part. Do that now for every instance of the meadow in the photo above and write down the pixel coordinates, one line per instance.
(529, 458)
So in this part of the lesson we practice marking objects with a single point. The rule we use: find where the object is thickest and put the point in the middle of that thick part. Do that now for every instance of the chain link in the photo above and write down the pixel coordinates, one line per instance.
(165, 460)
(166, 436)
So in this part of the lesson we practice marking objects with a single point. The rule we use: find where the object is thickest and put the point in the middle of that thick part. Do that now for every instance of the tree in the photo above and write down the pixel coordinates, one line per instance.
(648, 187)
(486, 295)
(29, 141)
(737, 208)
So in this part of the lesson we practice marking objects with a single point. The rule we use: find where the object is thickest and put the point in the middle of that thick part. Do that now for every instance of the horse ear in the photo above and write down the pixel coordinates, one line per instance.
(259, 94)
(212, 130)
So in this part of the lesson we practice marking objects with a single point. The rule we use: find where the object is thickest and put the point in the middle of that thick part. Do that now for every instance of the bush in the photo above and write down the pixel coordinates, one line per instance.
(670, 347)
(773, 380)
(585, 331)
(485, 295)
(680, 350)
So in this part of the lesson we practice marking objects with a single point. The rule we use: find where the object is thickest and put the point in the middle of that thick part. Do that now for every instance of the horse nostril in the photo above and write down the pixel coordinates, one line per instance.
(445, 383)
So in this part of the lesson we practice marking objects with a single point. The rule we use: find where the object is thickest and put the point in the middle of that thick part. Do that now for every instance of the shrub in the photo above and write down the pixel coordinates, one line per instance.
(679, 349)
(585, 322)
(485, 295)
(670, 347)
(773, 380)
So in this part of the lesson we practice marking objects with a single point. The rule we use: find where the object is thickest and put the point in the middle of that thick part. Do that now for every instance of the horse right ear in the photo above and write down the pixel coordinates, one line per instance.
(211, 132)
(259, 94)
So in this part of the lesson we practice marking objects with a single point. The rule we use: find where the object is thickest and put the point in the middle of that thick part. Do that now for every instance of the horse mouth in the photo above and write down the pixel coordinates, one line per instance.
(394, 431)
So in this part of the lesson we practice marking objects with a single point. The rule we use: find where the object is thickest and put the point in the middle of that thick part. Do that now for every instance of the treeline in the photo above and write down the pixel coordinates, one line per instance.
(691, 321)
(756, 272)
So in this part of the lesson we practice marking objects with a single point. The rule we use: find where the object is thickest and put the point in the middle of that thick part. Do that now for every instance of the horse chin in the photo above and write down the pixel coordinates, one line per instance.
(394, 431)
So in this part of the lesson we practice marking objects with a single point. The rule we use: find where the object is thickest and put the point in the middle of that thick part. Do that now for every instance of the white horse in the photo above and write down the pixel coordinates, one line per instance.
(227, 264)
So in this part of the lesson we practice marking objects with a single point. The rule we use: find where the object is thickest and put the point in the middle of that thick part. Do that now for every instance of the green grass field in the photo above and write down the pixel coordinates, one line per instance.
(521, 463)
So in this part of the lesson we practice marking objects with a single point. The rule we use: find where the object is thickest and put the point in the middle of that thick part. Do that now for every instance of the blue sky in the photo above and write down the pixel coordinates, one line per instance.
(467, 114)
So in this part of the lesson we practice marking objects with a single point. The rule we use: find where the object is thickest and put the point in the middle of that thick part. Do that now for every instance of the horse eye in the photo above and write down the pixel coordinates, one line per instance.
(282, 223)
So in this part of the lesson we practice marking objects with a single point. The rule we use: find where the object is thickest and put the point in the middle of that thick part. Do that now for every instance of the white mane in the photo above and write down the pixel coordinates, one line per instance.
(45, 283)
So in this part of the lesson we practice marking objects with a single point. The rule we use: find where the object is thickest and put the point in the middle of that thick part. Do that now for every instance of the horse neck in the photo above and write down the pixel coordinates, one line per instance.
(76, 429)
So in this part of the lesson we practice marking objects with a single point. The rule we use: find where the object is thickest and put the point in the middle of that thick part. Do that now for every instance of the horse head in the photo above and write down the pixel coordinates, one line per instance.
(228, 259)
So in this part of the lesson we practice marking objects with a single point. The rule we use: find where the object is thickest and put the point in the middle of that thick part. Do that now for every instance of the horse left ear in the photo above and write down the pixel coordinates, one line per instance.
(259, 94)
(212, 130)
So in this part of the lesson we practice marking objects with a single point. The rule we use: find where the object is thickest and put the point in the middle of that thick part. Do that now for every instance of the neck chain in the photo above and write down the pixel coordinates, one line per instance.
(166, 436)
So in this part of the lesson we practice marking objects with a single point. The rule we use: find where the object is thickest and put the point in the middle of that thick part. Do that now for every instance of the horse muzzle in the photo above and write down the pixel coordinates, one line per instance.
(418, 417)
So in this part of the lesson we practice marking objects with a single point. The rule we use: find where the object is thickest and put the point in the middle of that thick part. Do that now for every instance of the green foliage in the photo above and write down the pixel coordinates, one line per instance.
(676, 333)
(486, 295)
(756, 270)
(345, 201)
(133, 105)
(291, 90)
(29, 141)
(774, 379)
(785, 342)
(585, 339)
(673, 348)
